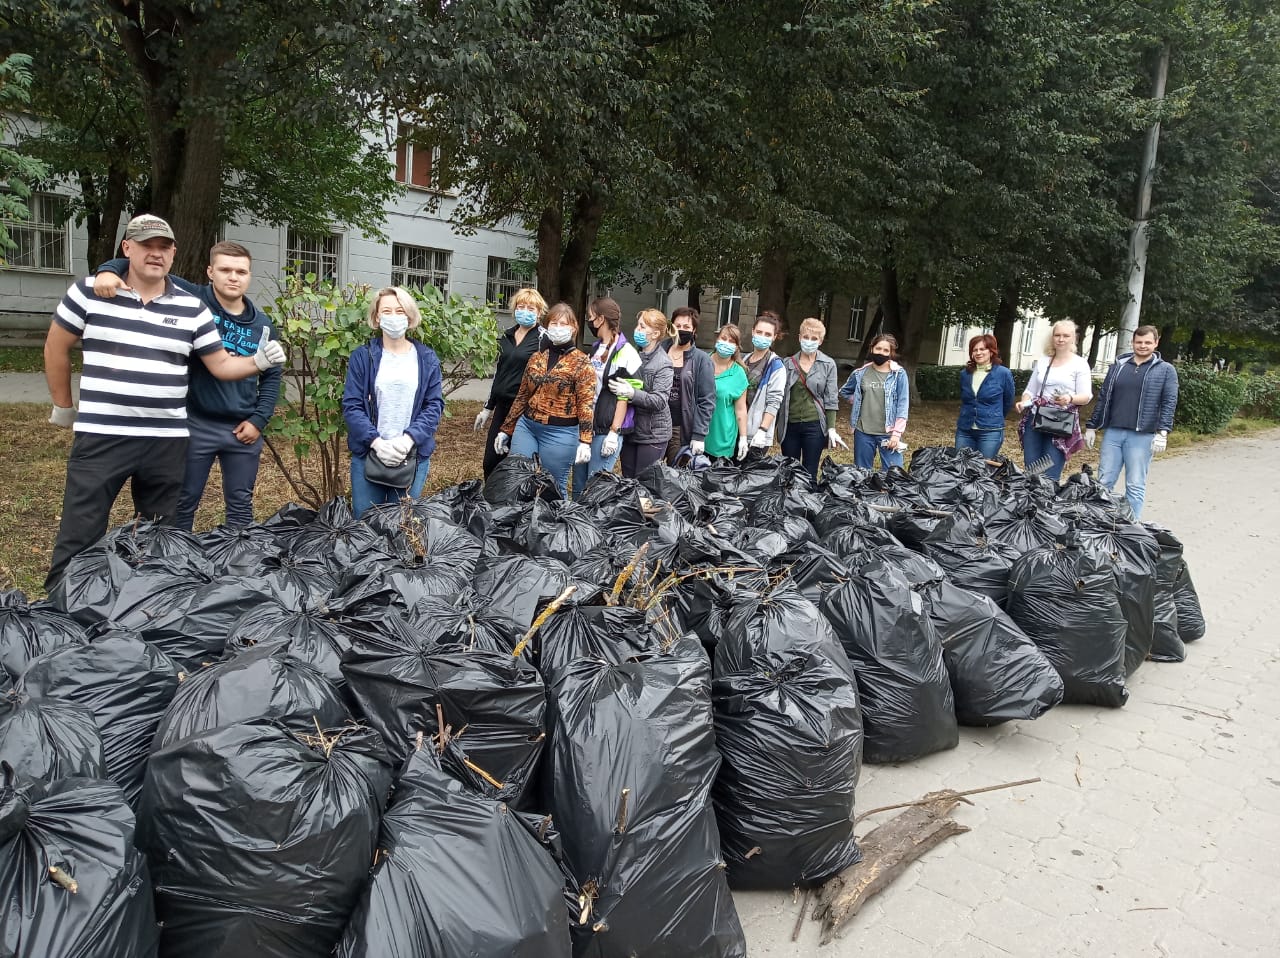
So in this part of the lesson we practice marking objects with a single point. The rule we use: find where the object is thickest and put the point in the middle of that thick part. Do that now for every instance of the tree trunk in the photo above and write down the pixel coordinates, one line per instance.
(575, 262)
(874, 329)
(774, 270)
(195, 207)
(550, 240)
(1094, 343)
(914, 324)
(890, 301)
(1082, 330)
(695, 296)
(1006, 317)
(1196, 346)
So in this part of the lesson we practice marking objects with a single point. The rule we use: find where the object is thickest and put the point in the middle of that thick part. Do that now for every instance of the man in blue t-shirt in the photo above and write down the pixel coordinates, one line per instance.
(225, 418)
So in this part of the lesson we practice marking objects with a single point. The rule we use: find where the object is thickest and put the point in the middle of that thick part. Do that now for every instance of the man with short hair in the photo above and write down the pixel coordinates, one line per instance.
(1135, 406)
(132, 422)
(225, 418)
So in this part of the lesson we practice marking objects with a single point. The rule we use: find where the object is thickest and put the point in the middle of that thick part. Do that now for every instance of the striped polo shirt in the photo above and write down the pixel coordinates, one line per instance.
(134, 381)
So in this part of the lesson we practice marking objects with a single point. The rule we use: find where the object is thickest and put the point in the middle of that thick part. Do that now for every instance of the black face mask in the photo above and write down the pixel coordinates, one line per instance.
(687, 336)
(879, 360)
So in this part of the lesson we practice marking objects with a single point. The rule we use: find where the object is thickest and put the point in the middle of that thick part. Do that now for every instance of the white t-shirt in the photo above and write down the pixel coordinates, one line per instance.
(394, 388)
(1071, 377)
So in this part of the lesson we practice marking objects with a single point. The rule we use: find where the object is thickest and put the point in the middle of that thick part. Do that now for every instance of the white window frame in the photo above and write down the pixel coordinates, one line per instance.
(502, 283)
(434, 273)
(858, 319)
(314, 251)
(42, 240)
(664, 285)
(957, 337)
(729, 309)
(1028, 337)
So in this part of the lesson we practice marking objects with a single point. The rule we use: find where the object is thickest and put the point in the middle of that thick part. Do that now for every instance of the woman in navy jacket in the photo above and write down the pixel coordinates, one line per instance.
(392, 401)
(986, 397)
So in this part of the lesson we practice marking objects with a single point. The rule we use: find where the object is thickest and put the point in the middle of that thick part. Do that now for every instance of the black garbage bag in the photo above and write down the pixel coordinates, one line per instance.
(894, 489)
(30, 629)
(180, 607)
(1134, 553)
(126, 683)
(916, 526)
(974, 561)
(464, 505)
(1064, 598)
(813, 570)
(336, 536)
(457, 873)
(49, 740)
(559, 530)
(632, 762)
(908, 709)
(789, 731)
(299, 581)
(91, 582)
(997, 673)
(85, 829)
(518, 585)
(775, 619)
(1191, 624)
(261, 683)
(603, 564)
(466, 619)
(519, 479)
(776, 535)
(303, 632)
(438, 558)
(493, 704)
(241, 550)
(260, 840)
(612, 633)
(1166, 643)
(1025, 526)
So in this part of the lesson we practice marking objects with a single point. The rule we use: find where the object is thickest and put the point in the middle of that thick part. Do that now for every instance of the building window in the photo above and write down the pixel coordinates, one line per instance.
(313, 253)
(1028, 337)
(419, 162)
(858, 319)
(664, 284)
(40, 241)
(419, 267)
(504, 282)
(824, 308)
(730, 309)
(957, 337)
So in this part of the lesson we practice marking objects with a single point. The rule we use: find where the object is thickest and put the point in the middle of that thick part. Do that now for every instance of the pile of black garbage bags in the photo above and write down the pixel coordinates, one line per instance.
(495, 723)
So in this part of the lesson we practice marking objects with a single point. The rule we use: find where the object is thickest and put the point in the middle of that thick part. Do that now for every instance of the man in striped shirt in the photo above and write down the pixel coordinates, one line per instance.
(132, 422)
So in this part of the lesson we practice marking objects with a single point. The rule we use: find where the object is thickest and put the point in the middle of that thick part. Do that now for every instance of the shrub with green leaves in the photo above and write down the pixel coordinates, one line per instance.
(1262, 396)
(1207, 398)
(321, 323)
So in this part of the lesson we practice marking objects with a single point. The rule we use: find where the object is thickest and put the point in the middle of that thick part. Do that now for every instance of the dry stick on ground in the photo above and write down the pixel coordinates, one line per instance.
(1222, 716)
(933, 797)
(625, 575)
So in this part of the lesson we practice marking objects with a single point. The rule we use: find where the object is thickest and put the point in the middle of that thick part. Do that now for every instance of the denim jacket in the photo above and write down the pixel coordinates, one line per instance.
(992, 403)
(897, 397)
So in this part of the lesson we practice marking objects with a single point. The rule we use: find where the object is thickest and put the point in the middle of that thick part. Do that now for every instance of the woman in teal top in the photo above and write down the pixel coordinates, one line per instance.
(727, 434)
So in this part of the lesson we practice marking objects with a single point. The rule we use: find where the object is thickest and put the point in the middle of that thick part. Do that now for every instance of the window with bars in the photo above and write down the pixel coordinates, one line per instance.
(505, 280)
(41, 242)
(313, 253)
(419, 266)
(858, 320)
(730, 309)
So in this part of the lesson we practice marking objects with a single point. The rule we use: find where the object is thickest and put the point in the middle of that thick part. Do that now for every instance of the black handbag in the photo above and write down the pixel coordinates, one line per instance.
(1053, 420)
(393, 477)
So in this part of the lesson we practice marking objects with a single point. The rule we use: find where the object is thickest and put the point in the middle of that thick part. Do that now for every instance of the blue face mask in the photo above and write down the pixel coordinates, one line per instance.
(725, 349)
(761, 342)
(640, 338)
(525, 317)
(809, 345)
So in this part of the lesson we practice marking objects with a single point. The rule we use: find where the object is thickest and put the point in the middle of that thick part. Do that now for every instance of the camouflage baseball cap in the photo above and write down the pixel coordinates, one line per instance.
(147, 227)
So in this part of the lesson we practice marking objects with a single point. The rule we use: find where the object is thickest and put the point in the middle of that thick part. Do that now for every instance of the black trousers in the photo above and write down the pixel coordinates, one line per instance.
(96, 472)
(491, 458)
(637, 458)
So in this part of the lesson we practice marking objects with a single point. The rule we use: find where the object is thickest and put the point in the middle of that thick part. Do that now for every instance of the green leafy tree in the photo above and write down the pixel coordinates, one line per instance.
(17, 170)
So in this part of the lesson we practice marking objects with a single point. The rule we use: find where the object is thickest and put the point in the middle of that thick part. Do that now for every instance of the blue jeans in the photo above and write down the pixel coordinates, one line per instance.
(805, 441)
(1036, 445)
(1132, 450)
(865, 447)
(365, 494)
(555, 446)
(212, 440)
(986, 441)
(598, 462)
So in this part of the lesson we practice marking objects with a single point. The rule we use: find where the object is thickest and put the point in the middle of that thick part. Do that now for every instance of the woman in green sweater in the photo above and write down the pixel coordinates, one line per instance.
(727, 434)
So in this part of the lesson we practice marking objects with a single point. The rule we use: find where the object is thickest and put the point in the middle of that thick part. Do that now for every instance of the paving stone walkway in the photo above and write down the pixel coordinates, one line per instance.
(1156, 828)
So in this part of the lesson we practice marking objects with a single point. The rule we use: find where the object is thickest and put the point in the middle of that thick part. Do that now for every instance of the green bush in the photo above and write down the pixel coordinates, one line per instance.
(1207, 399)
(1262, 396)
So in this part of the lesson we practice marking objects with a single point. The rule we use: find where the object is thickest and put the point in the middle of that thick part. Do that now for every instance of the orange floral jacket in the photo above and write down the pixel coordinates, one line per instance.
(566, 393)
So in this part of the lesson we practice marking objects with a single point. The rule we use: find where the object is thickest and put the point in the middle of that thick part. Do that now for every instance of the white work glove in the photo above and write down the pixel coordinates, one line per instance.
(482, 420)
(501, 443)
(621, 388)
(743, 445)
(270, 352)
(697, 447)
(1160, 442)
(834, 441)
(64, 416)
(583, 455)
(760, 440)
(386, 452)
(403, 444)
(1090, 437)
(609, 445)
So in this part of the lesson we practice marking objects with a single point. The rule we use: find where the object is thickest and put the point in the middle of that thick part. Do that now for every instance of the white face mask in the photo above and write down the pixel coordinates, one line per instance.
(810, 345)
(559, 335)
(394, 324)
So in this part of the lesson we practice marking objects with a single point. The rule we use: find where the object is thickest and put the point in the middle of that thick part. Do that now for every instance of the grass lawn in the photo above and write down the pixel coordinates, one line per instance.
(33, 471)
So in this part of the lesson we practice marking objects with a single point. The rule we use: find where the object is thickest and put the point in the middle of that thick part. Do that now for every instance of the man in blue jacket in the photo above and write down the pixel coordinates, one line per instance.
(1135, 407)
(225, 418)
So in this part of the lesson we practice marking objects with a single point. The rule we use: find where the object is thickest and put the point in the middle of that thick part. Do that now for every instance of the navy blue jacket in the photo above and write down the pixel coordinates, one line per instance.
(360, 406)
(230, 401)
(1156, 402)
(990, 407)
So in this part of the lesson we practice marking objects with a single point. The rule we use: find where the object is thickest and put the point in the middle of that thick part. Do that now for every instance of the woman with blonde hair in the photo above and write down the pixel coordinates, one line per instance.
(651, 426)
(515, 347)
(1062, 380)
(727, 434)
(392, 402)
(806, 422)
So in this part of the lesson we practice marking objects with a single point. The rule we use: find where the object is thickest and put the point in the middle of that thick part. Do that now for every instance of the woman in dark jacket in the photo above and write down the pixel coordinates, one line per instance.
(693, 387)
(986, 398)
(392, 400)
(651, 432)
(515, 346)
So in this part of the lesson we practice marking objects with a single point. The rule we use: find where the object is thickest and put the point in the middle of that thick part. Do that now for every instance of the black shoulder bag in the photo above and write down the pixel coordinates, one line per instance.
(1051, 419)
